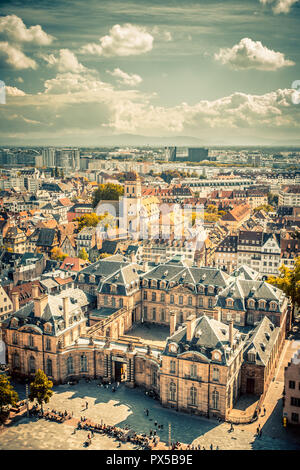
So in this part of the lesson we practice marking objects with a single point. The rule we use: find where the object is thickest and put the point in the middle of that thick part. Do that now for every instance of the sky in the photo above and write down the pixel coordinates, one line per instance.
(220, 72)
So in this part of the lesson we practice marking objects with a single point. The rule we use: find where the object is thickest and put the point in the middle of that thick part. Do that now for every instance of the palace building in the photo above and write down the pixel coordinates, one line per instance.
(196, 336)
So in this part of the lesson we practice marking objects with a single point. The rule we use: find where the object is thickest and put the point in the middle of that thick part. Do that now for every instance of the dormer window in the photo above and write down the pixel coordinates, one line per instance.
(262, 304)
(251, 356)
(273, 306)
(229, 302)
(153, 283)
(211, 289)
(251, 303)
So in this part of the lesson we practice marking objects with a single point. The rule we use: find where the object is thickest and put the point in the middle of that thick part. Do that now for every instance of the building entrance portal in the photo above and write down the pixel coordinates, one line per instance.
(120, 374)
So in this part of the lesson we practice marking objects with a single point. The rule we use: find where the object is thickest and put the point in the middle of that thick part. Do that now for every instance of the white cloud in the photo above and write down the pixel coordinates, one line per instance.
(126, 78)
(82, 103)
(19, 80)
(15, 58)
(249, 54)
(65, 62)
(14, 91)
(13, 28)
(123, 40)
(281, 6)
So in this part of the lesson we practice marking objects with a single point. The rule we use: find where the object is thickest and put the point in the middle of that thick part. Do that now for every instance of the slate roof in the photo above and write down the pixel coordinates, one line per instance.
(46, 237)
(179, 273)
(53, 311)
(261, 340)
(209, 335)
(241, 290)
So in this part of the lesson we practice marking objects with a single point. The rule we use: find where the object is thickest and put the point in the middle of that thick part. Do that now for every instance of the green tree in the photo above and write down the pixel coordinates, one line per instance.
(8, 396)
(83, 254)
(107, 192)
(41, 388)
(88, 220)
(289, 282)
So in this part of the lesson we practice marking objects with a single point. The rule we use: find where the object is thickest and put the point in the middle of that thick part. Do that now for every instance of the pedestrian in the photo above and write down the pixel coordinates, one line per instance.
(155, 423)
(217, 448)
(147, 412)
(260, 432)
(161, 426)
(257, 430)
(264, 411)
(231, 428)
(211, 447)
(86, 405)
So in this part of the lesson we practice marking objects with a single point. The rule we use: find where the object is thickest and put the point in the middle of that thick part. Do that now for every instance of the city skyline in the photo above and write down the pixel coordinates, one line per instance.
(208, 72)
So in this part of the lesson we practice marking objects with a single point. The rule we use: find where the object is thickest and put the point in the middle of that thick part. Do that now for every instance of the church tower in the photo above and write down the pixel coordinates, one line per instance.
(132, 204)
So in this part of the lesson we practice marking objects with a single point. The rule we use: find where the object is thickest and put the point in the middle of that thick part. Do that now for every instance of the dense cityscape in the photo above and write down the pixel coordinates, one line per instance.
(149, 286)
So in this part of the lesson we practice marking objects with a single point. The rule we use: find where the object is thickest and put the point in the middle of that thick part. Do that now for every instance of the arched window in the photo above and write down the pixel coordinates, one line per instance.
(193, 395)
(83, 363)
(70, 367)
(172, 367)
(154, 378)
(251, 303)
(32, 365)
(172, 391)
(15, 338)
(262, 304)
(31, 341)
(215, 400)
(49, 367)
(273, 306)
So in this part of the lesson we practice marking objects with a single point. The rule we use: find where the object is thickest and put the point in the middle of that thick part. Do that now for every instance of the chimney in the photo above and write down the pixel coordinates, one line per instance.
(15, 301)
(145, 266)
(40, 303)
(190, 327)
(172, 323)
(229, 267)
(231, 333)
(66, 310)
(133, 258)
(35, 291)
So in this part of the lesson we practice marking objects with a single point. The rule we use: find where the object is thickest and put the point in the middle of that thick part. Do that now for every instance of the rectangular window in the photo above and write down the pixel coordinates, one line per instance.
(295, 417)
(292, 384)
(172, 367)
(295, 401)
(145, 313)
(171, 299)
(162, 297)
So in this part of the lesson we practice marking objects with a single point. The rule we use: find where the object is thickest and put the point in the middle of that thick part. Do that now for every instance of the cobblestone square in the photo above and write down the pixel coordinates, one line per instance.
(125, 407)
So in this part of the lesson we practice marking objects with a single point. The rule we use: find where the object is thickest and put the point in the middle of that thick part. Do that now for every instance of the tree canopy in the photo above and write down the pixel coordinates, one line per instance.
(41, 388)
(107, 192)
(83, 254)
(8, 396)
(289, 282)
